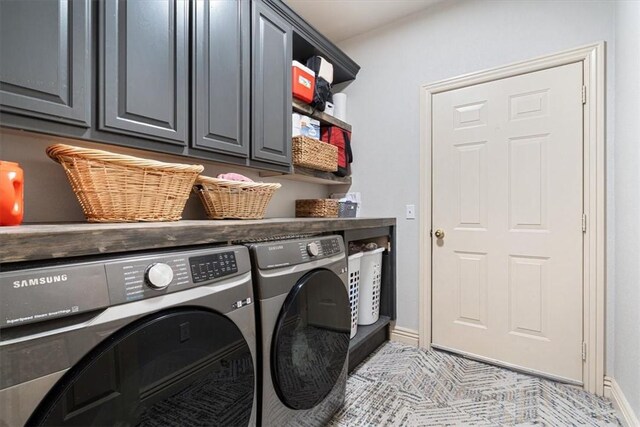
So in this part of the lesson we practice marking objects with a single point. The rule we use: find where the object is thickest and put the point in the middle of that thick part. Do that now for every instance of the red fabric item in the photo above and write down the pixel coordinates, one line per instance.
(341, 139)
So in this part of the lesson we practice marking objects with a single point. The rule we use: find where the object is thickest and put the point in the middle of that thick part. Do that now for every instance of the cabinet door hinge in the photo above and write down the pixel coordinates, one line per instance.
(584, 94)
(584, 350)
(431, 233)
(584, 223)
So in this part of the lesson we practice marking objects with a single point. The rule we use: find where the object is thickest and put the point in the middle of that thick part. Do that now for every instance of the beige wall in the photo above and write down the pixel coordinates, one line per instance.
(48, 196)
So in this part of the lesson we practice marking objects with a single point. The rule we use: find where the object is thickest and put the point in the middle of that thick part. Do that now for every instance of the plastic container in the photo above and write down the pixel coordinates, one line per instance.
(347, 209)
(303, 82)
(370, 279)
(354, 290)
(11, 193)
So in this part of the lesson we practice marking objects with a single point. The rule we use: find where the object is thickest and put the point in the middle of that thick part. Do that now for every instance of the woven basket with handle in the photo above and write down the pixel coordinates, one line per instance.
(224, 199)
(314, 154)
(118, 188)
(317, 208)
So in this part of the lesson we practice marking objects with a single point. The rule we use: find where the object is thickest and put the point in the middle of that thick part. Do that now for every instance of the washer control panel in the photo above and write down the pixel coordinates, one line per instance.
(38, 294)
(213, 266)
(159, 275)
(285, 253)
(137, 278)
(146, 277)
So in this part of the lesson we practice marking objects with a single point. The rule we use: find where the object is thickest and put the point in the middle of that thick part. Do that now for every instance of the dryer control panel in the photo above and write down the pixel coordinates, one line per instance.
(285, 253)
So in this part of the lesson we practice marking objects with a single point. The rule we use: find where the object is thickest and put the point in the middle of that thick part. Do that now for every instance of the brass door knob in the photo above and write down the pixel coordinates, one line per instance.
(439, 233)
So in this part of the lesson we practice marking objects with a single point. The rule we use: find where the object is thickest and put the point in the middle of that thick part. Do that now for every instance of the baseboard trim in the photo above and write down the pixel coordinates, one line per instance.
(404, 335)
(613, 391)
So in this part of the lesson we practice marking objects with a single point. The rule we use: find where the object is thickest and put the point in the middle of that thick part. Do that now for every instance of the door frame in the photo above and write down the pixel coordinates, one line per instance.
(592, 57)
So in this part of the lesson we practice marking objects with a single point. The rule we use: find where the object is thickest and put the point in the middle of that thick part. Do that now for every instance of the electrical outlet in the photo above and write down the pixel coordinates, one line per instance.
(411, 211)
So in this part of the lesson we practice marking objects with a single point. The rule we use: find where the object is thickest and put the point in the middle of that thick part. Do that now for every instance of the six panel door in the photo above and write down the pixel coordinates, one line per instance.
(221, 76)
(144, 60)
(271, 86)
(507, 194)
(45, 71)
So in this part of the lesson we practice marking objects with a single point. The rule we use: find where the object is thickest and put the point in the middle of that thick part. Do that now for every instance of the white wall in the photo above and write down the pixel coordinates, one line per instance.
(48, 196)
(447, 40)
(627, 211)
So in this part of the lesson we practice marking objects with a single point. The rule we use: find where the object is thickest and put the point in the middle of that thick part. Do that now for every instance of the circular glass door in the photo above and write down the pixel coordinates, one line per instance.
(180, 367)
(311, 340)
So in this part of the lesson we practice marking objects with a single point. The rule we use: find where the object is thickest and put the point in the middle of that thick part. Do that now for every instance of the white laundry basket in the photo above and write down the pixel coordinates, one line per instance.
(354, 290)
(370, 278)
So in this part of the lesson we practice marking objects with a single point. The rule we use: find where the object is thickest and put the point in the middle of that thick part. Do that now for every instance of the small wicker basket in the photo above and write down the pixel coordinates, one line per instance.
(117, 188)
(224, 199)
(317, 208)
(314, 154)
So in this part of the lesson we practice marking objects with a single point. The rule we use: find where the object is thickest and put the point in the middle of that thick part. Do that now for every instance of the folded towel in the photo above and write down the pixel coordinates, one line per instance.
(234, 177)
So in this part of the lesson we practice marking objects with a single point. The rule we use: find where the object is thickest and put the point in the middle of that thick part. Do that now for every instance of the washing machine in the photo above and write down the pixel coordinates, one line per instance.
(304, 322)
(156, 339)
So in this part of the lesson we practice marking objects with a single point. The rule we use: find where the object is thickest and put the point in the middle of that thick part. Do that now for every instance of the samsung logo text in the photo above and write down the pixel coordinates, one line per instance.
(39, 281)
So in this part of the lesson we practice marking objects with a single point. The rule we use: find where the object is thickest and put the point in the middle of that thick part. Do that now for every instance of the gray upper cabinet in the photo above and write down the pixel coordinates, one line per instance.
(144, 62)
(221, 76)
(45, 65)
(271, 86)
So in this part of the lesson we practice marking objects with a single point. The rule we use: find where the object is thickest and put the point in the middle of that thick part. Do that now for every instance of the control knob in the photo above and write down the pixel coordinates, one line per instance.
(312, 249)
(158, 275)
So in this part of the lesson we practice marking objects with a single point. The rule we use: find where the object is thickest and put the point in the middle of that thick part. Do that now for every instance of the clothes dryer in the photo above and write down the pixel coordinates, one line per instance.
(304, 324)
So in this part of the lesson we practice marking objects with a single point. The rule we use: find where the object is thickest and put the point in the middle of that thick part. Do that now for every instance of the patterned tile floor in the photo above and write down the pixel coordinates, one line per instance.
(400, 385)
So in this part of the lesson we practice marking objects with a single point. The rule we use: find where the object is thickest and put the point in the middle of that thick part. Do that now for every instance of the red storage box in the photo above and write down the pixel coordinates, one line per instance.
(303, 82)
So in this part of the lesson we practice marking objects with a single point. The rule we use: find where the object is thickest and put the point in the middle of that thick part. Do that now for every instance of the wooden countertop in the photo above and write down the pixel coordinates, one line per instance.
(47, 241)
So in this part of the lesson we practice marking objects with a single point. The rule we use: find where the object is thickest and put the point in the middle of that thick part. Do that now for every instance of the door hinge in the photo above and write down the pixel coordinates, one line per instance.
(584, 94)
(431, 233)
(584, 350)
(584, 223)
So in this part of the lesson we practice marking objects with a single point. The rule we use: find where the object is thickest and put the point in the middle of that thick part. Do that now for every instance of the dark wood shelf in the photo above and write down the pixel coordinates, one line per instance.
(310, 175)
(60, 240)
(367, 339)
(325, 119)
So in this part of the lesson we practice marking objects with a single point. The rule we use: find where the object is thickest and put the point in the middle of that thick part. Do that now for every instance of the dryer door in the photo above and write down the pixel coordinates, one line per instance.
(311, 340)
(178, 367)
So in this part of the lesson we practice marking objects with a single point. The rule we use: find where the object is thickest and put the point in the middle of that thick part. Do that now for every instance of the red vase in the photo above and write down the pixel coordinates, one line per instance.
(11, 193)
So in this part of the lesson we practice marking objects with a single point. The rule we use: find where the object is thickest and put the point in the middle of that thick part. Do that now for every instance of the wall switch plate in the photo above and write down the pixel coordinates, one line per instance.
(411, 211)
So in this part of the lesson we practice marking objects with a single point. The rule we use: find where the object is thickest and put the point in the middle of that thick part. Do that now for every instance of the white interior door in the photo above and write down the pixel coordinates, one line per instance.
(507, 194)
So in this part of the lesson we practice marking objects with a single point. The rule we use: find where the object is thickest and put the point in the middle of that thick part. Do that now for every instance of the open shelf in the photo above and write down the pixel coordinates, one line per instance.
(325, 119)
(310, 175)
(368, 338)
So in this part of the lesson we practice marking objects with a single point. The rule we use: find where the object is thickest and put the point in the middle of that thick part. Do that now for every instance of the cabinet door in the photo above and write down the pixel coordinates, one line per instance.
(271, 85)
(221, 76)
(45, 70)
(143, 69)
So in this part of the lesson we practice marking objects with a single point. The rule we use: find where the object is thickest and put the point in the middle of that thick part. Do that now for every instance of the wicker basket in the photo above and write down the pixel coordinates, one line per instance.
(317, 208)
(117, 188)
(223, 199)
(314, 154)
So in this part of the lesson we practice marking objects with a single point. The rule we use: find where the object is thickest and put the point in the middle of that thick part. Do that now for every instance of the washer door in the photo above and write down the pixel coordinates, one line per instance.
(311, 340)
(180, 367)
